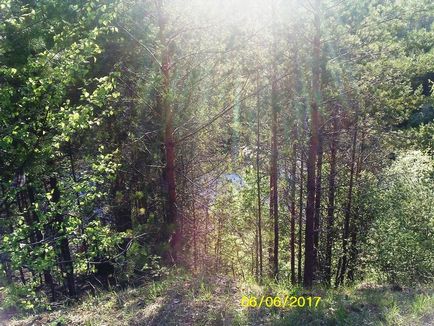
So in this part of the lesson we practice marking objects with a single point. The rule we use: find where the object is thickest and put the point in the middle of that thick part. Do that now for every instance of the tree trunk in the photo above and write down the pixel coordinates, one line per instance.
(255, 256)
(194, 236)
(293, 210)
(168, 139)
(274, 205)
(274, 213)
(317, 226)
(48, 278)
(300, 217)
(258, 190)
(25, 201)
(309, 255)
(22, 277)
(331, 202)
(65, 254)
(217, 248)
(355, 225)
(206, 230)
(345, 234)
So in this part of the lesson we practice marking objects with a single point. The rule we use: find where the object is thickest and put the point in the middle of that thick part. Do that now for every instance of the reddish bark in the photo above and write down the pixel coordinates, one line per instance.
(309, 257)
(168, 139)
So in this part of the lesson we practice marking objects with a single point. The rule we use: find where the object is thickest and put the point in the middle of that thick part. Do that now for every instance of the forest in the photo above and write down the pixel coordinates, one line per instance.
(216, 162)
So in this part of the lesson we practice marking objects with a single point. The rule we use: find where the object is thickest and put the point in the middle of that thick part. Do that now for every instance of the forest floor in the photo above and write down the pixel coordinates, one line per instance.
(183, 299)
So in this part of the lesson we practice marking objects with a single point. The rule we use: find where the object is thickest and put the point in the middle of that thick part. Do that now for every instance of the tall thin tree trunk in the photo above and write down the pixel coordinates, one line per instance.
(309, 255)
(300, 218)
(206, 230)
(355, 225)
(217, 248)
(331, 201)
(270, 239)
(274, 204)
(194, 235)
(293, 210)
(255, 255)
(169, 141)
(274, 213)
(258, 188)
(318, 193)
(345, 234)
(301, 148)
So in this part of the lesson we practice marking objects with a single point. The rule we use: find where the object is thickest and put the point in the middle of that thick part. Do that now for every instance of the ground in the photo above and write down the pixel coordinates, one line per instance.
(185, 299)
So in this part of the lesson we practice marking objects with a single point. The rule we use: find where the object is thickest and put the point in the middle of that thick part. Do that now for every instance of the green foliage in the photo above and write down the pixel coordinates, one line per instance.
(139, 259)
(85, 106)
(401, 237)
(24, 297)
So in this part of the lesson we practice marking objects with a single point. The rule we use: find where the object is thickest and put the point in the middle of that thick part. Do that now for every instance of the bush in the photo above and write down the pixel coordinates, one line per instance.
(401, 237)
(24, 297)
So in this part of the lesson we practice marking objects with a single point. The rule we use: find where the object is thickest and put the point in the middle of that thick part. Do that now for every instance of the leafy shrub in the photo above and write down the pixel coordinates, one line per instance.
(24, 297)
(401, 238)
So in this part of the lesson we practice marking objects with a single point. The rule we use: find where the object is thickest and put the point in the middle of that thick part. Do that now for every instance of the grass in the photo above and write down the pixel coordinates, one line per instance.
(367, 305)
(183, 299)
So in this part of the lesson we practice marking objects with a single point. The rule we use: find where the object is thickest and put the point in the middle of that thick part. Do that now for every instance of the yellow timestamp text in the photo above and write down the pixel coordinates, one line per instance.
(279, 301)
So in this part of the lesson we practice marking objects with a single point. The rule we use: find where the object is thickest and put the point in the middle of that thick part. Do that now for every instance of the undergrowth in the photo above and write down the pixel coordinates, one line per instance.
(184, 299)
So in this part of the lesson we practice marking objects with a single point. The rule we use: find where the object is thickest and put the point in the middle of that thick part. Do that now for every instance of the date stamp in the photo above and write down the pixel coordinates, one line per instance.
(279, 301)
